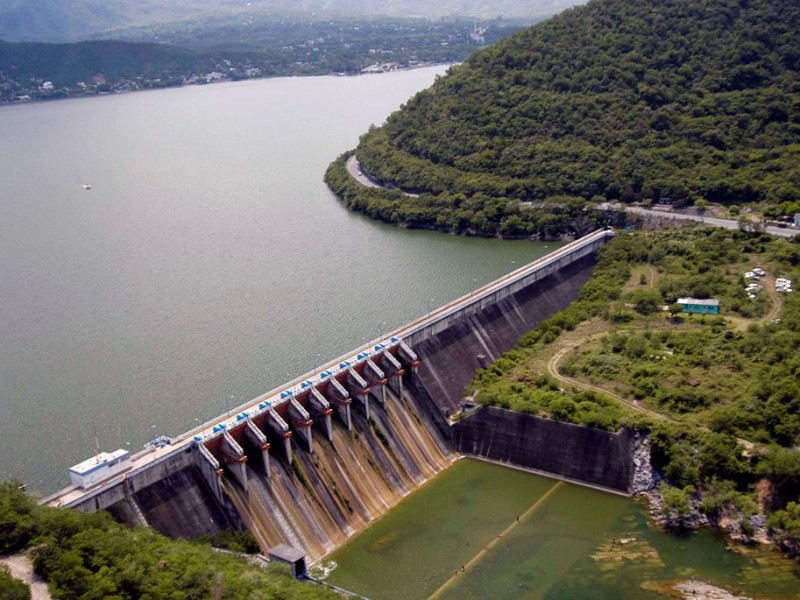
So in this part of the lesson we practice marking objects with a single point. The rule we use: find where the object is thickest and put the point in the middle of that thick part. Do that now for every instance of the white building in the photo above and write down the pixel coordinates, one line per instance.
(96, 469)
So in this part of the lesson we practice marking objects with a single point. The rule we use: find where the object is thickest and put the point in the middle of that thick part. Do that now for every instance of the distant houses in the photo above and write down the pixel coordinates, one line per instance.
(698, 306)
(385, 67)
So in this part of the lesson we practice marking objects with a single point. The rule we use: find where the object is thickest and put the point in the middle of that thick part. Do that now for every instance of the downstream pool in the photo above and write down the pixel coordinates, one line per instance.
(480, 530)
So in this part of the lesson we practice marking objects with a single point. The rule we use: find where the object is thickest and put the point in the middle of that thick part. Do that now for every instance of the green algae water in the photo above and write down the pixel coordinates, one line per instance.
(481, 530)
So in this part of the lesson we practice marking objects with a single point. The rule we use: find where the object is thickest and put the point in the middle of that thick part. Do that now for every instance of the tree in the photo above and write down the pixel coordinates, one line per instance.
(782, 467)
(646, 301)
(677, 499)
(12, 589)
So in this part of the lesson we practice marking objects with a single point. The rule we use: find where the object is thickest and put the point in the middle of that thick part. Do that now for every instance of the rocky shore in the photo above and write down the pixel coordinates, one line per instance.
(691, 589)
(646, 483)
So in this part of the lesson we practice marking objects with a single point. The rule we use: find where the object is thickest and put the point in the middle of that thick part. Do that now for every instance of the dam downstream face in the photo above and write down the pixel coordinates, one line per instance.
(481, 530)
(317, 501)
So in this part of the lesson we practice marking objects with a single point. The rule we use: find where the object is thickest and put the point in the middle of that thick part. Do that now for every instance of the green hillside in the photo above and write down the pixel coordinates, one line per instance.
(65, 64)
(618, 99)
(83, 556)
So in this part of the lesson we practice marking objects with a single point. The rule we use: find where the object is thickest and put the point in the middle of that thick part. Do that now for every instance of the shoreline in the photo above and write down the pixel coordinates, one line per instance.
(38, 101)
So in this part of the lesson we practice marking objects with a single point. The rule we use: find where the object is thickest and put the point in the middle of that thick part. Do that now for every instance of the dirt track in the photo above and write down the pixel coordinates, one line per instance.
(21, 568)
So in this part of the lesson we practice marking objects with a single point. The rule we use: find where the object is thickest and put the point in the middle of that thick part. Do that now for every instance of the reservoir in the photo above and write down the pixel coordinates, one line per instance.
(207, 264)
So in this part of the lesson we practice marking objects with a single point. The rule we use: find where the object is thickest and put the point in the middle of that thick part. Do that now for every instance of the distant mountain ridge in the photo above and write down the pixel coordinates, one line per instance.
(32, 71)
(617, 99)
(71, 20)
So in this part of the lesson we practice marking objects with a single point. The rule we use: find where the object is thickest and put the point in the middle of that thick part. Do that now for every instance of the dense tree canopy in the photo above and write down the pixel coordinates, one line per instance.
(618, 99)
(90, 556)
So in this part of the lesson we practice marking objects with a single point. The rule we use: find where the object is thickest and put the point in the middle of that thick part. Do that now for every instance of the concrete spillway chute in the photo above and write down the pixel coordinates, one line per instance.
(321, 411)
(377, 380)
(359, 389)
(258, 440)
(280, 429)
(408, 358)
(394, 372)
(301, 423)
(234, 458)
(210, 469)
(341, 400)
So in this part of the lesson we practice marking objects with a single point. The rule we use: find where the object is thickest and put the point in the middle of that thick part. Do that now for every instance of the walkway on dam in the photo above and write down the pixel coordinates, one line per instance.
(434, 319)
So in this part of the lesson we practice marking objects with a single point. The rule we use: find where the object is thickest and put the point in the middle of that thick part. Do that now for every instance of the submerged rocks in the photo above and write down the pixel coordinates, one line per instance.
(690, 589)
(699, 590)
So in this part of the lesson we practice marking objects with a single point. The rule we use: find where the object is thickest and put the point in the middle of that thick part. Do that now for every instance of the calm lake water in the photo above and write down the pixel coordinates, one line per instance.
(207, 264)
(479, 530)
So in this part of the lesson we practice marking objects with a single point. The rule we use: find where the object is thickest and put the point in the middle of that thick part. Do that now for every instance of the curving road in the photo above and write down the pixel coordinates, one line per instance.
(357, 173)
(360, 175)
(724, 223)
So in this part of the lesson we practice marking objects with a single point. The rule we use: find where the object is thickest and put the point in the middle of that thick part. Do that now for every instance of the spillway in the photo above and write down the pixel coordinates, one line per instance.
(317, 500)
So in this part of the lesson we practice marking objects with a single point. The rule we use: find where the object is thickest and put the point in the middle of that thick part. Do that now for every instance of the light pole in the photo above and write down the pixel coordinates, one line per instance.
(291, 378)
(315, 365)
(430, 302)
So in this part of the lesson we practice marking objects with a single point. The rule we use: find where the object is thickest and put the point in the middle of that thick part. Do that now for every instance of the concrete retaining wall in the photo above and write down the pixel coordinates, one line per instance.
(180, 505)
(102, 499)
(580, 454)
(519, 282)
(451, 356)
(155, 472)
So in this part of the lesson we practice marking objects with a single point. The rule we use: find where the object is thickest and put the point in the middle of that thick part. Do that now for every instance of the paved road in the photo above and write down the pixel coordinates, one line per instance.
(357, 173)
(355, 170)
(725, 223)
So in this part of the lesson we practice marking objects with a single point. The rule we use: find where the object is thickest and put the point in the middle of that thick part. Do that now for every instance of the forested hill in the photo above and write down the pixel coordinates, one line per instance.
(64, 64)
(618, 99)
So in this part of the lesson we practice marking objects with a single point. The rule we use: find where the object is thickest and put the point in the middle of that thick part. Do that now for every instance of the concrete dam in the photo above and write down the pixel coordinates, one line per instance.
(312, 462)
